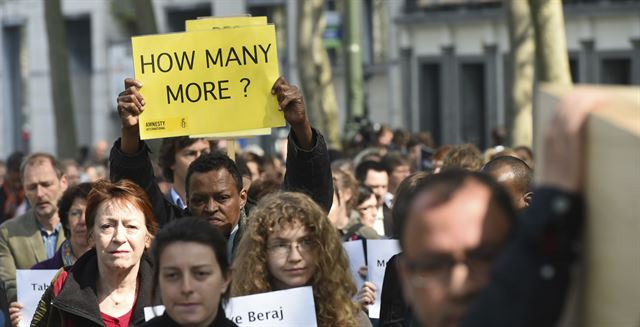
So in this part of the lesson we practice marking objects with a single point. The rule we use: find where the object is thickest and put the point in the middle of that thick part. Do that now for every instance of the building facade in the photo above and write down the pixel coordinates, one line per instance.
(435, 65)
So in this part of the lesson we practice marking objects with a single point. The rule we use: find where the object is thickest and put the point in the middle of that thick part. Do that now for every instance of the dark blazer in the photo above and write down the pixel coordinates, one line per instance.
(544, 239)
(77, 302)
(54, 263)
(394, 312)
(166, 321)
(307, 172)
(21, 247)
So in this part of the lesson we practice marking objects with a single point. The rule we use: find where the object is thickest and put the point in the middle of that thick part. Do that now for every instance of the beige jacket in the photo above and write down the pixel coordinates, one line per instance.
(21, 247)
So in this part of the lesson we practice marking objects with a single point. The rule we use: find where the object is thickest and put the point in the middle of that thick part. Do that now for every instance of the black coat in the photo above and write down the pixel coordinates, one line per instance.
(166, 321)
(530, 278)
(307, 172)
(77, 301)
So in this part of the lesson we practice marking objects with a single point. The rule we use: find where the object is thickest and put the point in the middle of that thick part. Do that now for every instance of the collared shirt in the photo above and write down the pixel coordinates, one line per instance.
(232, 238)
(388, 200)
(379, 224)
(50, 240)
(175, 199)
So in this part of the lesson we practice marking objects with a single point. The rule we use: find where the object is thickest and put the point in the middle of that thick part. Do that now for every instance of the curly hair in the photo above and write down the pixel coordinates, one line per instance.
(333, 286)
(465, 156)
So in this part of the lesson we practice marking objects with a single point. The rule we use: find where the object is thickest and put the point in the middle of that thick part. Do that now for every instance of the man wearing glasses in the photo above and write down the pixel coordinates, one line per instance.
(467, 261)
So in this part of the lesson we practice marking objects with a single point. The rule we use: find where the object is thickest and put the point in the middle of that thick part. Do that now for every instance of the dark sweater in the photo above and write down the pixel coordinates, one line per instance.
(166, 321)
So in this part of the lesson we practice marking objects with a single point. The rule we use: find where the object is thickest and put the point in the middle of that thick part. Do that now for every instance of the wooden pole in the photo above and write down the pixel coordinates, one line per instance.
(231, 149)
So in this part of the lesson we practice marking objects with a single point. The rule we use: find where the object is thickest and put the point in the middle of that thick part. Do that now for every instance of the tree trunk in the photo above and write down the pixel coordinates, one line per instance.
(552, 60)
(145, 18)
(315, 70)
(60, 80)
(521, 43)
(355, 94)
(145, 24)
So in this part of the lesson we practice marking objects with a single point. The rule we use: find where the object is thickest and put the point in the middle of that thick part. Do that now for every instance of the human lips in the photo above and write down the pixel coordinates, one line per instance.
(119, 252)
(187, 306)
(42, 204)
(217, 220)
(296, 271)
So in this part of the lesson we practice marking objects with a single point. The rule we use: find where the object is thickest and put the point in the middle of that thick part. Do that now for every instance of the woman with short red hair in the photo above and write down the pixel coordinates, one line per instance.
(110, 284)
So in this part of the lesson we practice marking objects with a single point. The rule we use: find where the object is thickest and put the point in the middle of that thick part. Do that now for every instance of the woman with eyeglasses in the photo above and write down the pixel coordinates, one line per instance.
(290, 243)
(364, 216)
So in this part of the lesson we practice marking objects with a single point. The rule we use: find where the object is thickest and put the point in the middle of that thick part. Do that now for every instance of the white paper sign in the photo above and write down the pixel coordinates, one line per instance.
(355, 252)
(289, 308)
(152, 312)
(30, 285)
(378, 253)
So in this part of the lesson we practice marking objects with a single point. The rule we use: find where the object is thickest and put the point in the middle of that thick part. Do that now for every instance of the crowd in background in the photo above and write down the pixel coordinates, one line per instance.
(124, 227)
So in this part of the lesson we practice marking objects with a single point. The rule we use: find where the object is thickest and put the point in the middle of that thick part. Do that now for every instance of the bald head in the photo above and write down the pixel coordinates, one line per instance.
(515, 175)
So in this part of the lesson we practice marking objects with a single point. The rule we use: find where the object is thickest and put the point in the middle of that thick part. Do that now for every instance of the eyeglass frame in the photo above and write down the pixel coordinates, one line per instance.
(288, 249)
(478, 262)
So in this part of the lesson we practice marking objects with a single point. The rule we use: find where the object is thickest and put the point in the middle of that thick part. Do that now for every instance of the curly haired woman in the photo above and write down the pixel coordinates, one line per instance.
(290, 243)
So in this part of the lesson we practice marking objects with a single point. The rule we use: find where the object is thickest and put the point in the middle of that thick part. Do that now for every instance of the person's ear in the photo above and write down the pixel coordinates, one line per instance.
(243, 197)
(527, 198)
(227, 282)
(346, 195)
(64, 182)
(147, 240)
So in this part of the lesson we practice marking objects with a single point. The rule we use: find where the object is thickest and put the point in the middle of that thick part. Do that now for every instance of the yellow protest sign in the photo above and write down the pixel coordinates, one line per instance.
(235, 135)
(204, 82)
(207, 23)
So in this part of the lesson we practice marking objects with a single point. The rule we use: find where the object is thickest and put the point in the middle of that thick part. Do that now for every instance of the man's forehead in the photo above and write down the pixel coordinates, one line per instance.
(199, 144)
(212, 180)
(401, 168)
(430, 209)
(373, 175)
(40, 168)
(462, 221)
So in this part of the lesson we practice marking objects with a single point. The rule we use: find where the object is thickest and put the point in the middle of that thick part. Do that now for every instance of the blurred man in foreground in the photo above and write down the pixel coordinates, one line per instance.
(454, 229)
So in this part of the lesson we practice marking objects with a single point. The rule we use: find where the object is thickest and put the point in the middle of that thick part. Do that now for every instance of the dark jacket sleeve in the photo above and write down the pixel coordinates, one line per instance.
(310, 171)
(393, 309)
(41, 315)
(530, 279)
(138, 169)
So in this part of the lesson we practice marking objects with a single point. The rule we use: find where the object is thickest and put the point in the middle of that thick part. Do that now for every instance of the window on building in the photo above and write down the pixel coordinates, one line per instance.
(176, 16)
(430, 100)
(80, 71)
(13, 89)
(472, 103)
(615, 71)
(574, 68)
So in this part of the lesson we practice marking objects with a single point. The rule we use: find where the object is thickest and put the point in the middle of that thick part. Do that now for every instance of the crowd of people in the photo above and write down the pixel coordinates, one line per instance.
(481, 245)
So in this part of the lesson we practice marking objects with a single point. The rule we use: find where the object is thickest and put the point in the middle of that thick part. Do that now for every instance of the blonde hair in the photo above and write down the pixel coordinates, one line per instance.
(333, 286)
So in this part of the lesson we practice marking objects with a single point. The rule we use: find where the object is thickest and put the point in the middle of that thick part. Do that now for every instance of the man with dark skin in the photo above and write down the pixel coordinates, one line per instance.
(515, 175)
(214, 185)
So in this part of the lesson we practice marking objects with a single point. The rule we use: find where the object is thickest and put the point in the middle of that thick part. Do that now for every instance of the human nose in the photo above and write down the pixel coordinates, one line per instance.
(211, 206)
(295, 254)
(187, 285)
(119, 234)
(39, 191)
